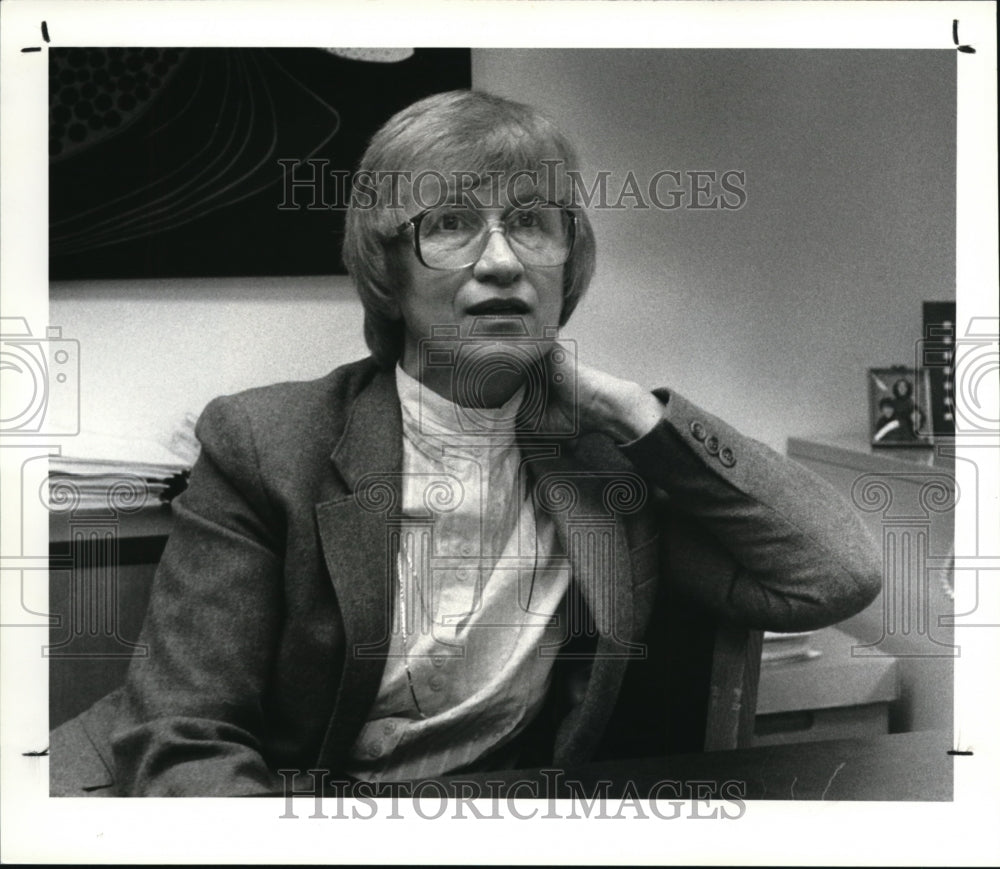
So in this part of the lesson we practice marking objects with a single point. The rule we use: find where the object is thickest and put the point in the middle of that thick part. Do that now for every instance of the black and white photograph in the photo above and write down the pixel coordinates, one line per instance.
(900, 406)
(424, 426)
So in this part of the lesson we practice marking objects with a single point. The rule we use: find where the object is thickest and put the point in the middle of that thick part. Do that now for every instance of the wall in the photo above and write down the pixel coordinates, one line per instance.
(768, 315)
(152, 351)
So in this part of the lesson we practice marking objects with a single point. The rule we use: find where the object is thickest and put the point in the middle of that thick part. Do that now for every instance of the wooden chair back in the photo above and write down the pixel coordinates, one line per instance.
(732, 693)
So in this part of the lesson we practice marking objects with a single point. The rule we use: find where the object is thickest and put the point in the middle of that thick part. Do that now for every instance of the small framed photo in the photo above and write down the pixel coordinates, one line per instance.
(900, 407)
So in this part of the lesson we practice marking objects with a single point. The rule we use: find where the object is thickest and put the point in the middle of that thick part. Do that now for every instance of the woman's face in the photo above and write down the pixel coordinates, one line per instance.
(497, 300)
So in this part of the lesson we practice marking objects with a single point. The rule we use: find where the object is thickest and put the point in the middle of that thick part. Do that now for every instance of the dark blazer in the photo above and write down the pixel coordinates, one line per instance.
(270, 609)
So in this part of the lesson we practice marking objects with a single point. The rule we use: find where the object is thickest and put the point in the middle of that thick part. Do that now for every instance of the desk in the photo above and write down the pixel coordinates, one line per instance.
(900, 766)
(836, 695)
(101, 568)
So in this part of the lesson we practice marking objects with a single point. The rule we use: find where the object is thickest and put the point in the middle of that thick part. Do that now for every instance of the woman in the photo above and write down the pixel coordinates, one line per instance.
(454, 555)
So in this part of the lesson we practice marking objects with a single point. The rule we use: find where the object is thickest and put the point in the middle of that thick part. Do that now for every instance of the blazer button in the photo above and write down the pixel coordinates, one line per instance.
(712, 445)
(698, 431)
(727, 457)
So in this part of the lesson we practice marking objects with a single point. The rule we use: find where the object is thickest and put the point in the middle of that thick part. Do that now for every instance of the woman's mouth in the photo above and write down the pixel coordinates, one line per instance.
(499, 308)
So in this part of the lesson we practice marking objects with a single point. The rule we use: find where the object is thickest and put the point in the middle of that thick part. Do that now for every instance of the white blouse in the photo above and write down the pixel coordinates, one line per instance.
(477, 590)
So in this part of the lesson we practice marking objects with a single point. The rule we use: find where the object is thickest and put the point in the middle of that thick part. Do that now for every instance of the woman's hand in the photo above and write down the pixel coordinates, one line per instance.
(619, 408)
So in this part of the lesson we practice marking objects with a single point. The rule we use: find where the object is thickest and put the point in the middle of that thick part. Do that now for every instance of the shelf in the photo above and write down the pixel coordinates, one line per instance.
(857, 453)
(147, 522)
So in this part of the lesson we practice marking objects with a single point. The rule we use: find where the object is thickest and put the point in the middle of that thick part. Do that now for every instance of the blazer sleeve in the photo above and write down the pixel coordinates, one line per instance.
(751, 535)
(192, 709)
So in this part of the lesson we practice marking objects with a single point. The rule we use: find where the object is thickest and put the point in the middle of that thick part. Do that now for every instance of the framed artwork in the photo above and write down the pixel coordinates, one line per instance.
(899, 407)
(217, 162)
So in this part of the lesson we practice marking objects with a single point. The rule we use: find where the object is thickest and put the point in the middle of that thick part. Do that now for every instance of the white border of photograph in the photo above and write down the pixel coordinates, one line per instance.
(36, 828)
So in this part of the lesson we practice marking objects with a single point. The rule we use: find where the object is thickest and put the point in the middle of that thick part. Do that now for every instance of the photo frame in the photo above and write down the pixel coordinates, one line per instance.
(900, 407)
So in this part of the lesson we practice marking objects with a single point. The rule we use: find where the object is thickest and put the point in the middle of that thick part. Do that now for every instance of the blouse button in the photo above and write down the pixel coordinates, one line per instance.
(437, 683)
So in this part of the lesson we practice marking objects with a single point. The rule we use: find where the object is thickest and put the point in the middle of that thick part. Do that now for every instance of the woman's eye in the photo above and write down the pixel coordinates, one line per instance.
(451, 221)
(525, 219)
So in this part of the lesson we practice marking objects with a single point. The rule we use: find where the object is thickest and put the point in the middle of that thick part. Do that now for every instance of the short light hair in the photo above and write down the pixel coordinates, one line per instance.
(457, 131)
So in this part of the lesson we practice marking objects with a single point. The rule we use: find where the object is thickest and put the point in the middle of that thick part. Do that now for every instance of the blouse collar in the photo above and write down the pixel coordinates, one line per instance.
(427, 414)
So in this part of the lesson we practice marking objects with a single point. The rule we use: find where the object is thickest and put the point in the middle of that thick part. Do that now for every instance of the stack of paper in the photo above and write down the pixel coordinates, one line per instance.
(99, 471)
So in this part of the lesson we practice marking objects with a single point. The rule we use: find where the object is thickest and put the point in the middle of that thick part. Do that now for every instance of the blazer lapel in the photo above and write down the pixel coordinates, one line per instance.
(582, 504)
(354, 533)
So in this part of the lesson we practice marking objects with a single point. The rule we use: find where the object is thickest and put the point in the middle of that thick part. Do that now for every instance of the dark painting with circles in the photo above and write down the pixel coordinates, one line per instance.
(210, 162)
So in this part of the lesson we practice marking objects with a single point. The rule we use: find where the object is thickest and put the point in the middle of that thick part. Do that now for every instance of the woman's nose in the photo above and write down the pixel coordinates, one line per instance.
(498, 262)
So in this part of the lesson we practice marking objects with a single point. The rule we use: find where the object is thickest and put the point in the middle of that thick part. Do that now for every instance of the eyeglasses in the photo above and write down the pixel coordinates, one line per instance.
(455, 236)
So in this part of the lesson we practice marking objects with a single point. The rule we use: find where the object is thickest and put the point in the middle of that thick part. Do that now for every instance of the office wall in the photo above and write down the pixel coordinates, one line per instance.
(768, 315)
(152, 351)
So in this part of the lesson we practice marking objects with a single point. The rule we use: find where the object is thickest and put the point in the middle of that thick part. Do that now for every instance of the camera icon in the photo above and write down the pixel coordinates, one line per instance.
(41, 381)
(476, 364)
(963, 371)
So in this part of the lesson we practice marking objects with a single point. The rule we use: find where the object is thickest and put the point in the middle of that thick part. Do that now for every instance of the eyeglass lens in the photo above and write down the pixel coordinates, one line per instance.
(454, 236)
